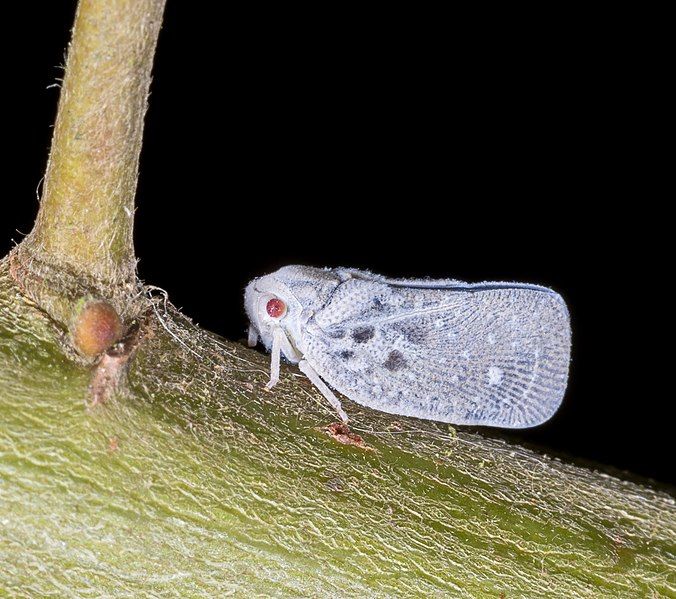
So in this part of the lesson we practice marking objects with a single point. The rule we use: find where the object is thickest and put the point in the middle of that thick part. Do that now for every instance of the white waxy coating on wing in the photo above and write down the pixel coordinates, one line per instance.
(492, 354)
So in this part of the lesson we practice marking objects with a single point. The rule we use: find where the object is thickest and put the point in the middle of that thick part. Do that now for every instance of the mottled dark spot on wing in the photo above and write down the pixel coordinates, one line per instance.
(378, 304)
(395, 361)
(335, 333)
(414, 334)
(346, 354)
(363, 334)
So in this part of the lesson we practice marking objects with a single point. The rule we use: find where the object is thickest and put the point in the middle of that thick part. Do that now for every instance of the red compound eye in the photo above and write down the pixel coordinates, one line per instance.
(276, 308)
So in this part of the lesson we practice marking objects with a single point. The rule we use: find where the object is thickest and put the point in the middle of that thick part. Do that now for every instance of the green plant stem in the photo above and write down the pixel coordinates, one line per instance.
(198, 482)
(83, 232)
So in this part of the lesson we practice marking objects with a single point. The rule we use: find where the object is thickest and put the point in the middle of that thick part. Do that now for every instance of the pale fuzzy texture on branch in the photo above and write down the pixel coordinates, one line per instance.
(196, 481)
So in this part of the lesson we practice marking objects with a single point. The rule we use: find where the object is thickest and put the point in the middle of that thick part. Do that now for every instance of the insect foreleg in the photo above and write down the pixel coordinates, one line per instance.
(315, 379)
(275, 355)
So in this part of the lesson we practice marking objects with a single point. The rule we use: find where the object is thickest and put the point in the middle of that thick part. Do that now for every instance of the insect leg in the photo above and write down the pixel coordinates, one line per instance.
(276, 356)
(252, 339)
(311, 373)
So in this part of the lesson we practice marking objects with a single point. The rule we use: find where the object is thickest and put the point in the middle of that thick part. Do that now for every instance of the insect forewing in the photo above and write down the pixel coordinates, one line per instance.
(491, 354)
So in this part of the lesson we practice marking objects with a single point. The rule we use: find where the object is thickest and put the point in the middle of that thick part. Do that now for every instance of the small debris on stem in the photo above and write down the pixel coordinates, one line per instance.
(341, 433)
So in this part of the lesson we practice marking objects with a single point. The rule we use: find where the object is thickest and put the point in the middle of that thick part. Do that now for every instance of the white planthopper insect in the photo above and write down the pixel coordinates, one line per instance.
(490, 354)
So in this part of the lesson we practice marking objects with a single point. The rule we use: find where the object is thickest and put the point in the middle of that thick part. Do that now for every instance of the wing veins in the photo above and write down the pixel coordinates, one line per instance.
(404, 315)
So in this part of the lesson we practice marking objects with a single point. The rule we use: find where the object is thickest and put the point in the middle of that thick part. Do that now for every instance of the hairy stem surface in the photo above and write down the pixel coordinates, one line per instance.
(82, 239)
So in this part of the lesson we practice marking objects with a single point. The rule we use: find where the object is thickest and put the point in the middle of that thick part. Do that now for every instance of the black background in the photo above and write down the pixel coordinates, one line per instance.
(400, 144)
